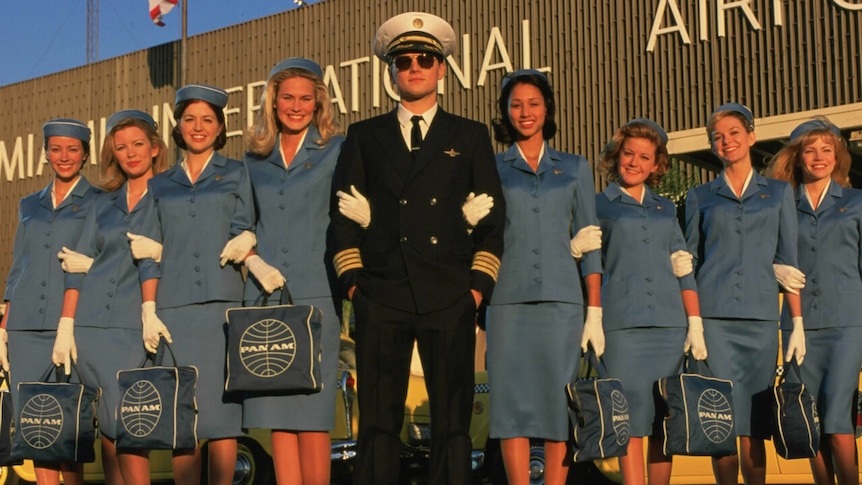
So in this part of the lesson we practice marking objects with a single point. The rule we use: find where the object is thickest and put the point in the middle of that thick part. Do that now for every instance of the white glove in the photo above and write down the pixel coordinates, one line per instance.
(681, 261)
(237, 248)
(790, 278)
(4, 349)
(796, 343)
(144, 247)
(74, 262)
(65, 350)
(589, 238)
(593, 333)
(153, 327)
(268, 276)
(694, 340)
(476, 207)
(354, 207)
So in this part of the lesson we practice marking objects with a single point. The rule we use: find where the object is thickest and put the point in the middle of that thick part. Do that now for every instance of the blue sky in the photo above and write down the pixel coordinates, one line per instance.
(41, 37)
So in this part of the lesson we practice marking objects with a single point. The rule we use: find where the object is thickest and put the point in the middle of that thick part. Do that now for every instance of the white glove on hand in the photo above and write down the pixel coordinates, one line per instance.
(4, 349)
(681, 261)
(354, 207)
(694, 340)
(237, 248)
(593, 333)
(153, 327)
(476, 207)
(589, 238)
(268, 276)
(790, 278)
(65, 350)
(796, 343)
(144, 247)
(74, 262)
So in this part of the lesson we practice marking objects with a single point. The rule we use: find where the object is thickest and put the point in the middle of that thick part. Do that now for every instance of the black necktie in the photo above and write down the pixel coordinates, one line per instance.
(415, 134)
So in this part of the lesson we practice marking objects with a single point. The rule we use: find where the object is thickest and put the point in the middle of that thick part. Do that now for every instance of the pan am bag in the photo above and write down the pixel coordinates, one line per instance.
(157, 409)
(599, 413)
(57, 420)
(795, 423)
(274, 349)
(6, 414)
(699, 412)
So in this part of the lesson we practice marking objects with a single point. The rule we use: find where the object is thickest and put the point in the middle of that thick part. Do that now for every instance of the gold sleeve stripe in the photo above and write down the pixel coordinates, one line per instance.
(487, 263)
(347, 260)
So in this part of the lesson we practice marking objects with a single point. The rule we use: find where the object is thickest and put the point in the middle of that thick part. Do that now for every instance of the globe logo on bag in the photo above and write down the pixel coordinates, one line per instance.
(267, 348)
(140, 408)
(41, 421)
(716, 415)
(620, 416)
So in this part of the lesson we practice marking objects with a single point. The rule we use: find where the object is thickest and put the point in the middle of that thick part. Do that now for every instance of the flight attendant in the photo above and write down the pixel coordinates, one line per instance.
(741, 229)
(204, 213)
(48, 221)
(816, 162)
(293, 146)
(102, 301)
(536, 315)
(648, 288)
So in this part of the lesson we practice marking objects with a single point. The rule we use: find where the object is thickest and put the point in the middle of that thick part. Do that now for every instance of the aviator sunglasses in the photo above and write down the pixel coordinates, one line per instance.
(403, 63)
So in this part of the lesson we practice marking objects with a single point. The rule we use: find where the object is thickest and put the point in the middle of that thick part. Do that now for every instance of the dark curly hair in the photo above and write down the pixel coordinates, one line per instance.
(177, 135)
(504, 131)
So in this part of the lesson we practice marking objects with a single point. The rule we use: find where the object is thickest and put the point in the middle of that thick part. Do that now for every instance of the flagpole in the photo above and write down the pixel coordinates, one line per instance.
(183, 57)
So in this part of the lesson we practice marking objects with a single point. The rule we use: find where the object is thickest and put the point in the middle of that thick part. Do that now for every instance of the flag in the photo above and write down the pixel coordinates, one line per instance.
(159, 8)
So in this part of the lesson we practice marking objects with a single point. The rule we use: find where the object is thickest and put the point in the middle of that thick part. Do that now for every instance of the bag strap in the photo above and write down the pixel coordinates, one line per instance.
(687, 363)
(263, 297)
(593, 362)
(159, 356)
(59, 375)
(793, 364)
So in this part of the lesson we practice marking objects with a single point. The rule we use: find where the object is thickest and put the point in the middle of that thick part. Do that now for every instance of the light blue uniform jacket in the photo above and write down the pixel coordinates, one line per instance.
(35, 285)
(110, 292)
(544, 210)
(830, 255)
(195, 221)
(736, 241)
(639, 288)
(292, 205)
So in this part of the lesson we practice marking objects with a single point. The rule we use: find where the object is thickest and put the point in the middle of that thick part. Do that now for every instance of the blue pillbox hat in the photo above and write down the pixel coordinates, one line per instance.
(66, 127)
(125, 114)
(203, 92)
(652, 125)
(811, 125)
(523, 72)
(737, 108)
(297, 63)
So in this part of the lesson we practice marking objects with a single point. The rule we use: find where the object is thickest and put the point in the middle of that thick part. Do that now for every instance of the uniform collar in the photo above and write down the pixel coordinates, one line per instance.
(548, 160)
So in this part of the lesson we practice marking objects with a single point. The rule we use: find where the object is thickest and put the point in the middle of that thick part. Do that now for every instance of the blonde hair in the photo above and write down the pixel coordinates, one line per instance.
(610, 163)
(261, 136)
(111, 176)
(787, 163)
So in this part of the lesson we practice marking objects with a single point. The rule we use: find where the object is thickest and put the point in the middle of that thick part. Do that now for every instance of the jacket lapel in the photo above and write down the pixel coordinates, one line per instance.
(388, 136)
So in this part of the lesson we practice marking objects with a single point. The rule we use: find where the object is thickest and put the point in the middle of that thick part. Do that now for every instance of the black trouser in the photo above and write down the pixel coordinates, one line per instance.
(384, 346)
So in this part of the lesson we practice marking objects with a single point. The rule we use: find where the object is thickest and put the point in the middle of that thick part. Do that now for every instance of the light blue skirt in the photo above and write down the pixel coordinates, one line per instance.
(533, 352)
(101, 353)
(830, 372)
(639, 357)
(745, 352)
(200, 339)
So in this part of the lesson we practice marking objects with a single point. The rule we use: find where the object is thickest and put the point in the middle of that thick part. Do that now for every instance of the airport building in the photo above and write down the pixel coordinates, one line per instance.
(609, 61)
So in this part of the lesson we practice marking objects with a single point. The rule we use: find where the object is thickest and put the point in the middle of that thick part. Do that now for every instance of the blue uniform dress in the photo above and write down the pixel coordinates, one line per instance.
(195, 221)
(536, 316)
(292, 205)
(108, 318)
(735, 241)
(830, 255)
(643, 316)
(35, 284)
